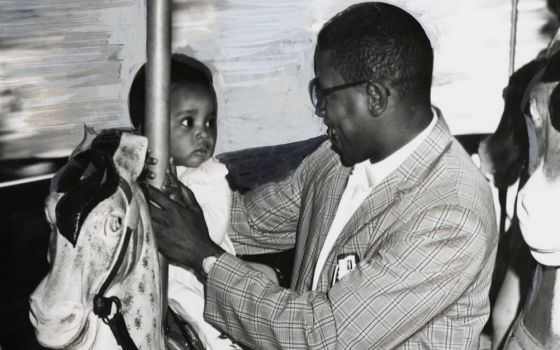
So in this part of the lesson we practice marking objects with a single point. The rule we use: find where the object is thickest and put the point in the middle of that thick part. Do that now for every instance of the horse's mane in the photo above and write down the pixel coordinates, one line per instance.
(508, 146)
(87, 179)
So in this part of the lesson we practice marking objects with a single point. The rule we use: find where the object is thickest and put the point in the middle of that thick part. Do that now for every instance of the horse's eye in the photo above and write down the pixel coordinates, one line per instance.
(51, 249)
(114, 223)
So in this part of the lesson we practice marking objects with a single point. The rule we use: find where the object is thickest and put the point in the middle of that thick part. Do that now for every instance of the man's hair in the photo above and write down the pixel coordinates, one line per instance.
(377, 40)
(185, 71)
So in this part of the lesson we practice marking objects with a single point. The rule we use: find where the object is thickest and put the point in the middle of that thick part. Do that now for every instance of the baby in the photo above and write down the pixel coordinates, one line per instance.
(192, 139)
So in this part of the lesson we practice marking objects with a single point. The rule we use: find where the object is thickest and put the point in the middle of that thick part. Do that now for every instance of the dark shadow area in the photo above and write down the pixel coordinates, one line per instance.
(24, 239)
(16, 169)
(552, 24)
(470, 142)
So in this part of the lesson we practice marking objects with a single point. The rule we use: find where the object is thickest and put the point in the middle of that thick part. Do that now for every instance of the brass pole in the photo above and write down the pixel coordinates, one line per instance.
(158, 72)
(513, 36)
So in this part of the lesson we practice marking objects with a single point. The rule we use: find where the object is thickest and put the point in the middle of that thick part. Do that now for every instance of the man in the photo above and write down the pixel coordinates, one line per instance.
(393, 225)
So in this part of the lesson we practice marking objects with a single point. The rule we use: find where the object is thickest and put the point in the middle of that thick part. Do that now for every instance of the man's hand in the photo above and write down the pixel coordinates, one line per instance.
(181, 232)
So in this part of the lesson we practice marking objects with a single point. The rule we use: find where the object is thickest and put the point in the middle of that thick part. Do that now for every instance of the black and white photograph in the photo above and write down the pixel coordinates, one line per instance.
(264, 174)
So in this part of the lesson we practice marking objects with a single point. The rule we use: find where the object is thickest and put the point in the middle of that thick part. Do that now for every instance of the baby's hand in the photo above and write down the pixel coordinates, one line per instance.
(171, 185)
(149, 161)
(176, 190)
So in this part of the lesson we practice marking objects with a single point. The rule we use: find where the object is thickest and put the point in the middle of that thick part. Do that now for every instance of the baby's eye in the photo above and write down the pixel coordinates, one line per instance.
(187, 122)
(211, 124)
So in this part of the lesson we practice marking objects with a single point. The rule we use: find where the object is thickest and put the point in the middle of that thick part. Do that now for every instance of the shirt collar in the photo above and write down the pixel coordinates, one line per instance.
(375, 173)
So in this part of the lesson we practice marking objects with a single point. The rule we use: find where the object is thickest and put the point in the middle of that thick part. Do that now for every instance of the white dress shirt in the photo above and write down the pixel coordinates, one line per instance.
(364, 177)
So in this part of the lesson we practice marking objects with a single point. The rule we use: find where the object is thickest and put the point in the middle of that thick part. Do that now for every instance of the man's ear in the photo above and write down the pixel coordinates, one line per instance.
(378, 95)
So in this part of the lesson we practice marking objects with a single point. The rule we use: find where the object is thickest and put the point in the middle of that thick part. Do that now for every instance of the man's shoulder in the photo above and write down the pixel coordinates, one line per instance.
(454, 194)
(456, 181)
(467, 175)
(438, 164)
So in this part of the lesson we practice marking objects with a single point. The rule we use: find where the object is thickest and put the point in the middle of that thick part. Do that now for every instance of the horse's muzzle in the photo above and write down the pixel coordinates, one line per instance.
(58, 326)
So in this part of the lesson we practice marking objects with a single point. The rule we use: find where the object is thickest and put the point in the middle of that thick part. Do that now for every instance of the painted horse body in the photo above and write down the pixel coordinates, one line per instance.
(528, 138)
(94, 201)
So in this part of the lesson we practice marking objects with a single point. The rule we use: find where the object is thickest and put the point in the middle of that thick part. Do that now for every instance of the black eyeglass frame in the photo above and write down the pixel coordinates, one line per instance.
(323, 93)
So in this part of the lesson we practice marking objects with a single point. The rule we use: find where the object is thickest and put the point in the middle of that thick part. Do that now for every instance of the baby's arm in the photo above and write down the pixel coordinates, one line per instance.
(215, 202)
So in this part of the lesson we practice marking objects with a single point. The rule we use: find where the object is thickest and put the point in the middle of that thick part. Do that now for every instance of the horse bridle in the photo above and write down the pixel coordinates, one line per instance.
(532, 141)
(102, 306)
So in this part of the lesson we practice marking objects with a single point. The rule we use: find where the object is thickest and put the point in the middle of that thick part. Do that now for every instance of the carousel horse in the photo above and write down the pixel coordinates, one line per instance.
(531, 140)
(503, 157)
(103, 289)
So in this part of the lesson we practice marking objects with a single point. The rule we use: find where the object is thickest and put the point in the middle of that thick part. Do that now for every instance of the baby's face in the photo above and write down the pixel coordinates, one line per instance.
(192, 125)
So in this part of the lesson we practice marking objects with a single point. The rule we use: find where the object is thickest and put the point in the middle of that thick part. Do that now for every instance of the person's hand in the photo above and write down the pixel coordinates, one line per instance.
(181, 232)
(173, 187)
(149, 162)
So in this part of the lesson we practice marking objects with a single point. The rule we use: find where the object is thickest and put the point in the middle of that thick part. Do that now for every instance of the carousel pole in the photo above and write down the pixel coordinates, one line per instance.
(158, 72)
(513, 35)
(503, 191)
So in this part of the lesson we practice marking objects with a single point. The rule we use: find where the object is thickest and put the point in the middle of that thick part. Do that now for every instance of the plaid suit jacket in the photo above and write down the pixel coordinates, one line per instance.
(426, 238)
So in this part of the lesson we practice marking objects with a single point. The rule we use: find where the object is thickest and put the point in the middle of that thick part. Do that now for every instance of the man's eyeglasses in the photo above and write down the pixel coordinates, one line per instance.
(318, 95)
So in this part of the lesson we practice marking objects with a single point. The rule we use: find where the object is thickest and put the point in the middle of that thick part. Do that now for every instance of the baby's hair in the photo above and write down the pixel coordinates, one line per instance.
(185, 71)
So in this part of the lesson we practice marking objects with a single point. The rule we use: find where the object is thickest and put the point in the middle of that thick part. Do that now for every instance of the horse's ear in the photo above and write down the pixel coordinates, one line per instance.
(502, 153)
(89, 135)
(130, 156)
(50, 206)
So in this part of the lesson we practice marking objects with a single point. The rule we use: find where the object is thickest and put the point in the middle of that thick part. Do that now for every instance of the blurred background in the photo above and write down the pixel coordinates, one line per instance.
(63, 64)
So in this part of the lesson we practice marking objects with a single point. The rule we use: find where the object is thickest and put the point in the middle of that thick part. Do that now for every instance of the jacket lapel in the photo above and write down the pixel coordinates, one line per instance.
(386, 195)
(332, 198)
(378, 202)
(331, 190)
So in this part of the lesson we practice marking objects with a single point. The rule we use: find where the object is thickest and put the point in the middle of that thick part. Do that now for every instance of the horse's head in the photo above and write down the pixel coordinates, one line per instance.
(539, 199)
(93, 201)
